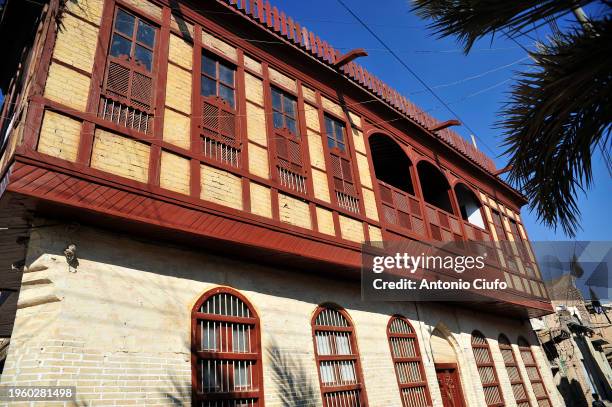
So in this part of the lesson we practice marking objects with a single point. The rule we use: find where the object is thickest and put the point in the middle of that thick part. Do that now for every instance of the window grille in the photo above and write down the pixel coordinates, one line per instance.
(533, 373)
(486, 370)
(408, 363)
(337, 359)
(220, 141)
(512, 368)
(288, 142)
(226, 362)
(128, 91)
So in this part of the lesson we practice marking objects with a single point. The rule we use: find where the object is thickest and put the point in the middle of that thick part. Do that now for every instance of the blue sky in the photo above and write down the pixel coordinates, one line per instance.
(475, 86)
(491, 65)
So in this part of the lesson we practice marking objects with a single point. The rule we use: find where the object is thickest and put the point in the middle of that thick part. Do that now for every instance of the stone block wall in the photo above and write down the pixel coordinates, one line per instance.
(119, 327)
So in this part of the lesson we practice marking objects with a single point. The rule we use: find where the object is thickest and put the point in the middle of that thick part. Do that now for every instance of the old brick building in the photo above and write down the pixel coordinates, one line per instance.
(185, 190)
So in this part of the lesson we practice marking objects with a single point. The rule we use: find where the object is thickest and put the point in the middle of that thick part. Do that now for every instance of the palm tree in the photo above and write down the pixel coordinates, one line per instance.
(560, 109)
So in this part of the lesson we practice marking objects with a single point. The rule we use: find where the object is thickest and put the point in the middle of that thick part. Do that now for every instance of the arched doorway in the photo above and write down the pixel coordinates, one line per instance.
(447, 370)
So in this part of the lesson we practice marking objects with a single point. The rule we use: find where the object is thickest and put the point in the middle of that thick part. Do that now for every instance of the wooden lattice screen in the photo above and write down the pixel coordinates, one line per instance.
(408, 363)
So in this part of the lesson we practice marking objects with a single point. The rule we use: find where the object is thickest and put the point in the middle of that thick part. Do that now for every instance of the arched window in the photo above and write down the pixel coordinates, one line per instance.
(391, 164)
(408, 363)
(226, 354)
(486, 370)
(443, 224)
(436, 190)
(533, 373)
(516, 379)
(469, 206)
(337, 359)
(393, 170)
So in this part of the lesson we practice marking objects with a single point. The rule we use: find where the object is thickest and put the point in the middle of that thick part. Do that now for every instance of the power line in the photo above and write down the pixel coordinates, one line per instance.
(469, 78)
(413, 73)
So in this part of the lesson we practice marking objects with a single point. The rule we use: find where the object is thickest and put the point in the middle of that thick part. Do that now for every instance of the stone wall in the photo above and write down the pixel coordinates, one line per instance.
(119, 327)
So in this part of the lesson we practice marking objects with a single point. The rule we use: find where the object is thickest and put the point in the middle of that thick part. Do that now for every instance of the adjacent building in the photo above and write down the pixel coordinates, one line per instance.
(185, 190)
(576, 340)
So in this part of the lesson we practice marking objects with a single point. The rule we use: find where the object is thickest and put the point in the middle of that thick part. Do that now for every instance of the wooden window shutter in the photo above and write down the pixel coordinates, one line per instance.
(337, 358)
(408, 363)
(127, 97)
(486, 370)
(289, 152)
(219, 121)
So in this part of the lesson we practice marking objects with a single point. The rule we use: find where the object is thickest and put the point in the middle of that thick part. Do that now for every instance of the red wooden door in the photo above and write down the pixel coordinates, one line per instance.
(450, 386)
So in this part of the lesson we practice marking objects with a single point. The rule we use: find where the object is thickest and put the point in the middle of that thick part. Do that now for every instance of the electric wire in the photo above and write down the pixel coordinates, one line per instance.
(414, 74)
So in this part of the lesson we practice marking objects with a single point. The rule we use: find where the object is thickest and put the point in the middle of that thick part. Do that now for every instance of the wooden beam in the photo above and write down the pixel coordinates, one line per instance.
(445, 124)
(350, 56)
(503, 170)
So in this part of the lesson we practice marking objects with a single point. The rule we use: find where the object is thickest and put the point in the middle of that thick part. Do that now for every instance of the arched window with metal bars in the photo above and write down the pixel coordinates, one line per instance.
(486, 370)
(337, 358)
(408, 363)
(533, 373)
(514, 374)
(226, 352)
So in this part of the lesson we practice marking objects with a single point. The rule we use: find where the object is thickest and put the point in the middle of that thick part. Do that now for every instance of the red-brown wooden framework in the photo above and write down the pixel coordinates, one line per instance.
(337, 358)
(514, 374)
(226, 351)
(81, 170)
(128, 91)
(486, 370)
(408, 363)
(533, 373)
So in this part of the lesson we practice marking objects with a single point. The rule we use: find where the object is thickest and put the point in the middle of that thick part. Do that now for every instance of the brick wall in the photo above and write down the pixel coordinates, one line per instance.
(174, 173)
(67, 86)
(221, 187)
(294, 211)
(120, 156)
(59, 136)
(261, 200)
(119, 327)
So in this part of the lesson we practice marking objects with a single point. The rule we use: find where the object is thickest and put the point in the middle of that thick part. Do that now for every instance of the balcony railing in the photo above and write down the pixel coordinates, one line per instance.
(125, 115)
(291, 180)
(348, 202)
(444, 226)
(223, 153)
(401, 209)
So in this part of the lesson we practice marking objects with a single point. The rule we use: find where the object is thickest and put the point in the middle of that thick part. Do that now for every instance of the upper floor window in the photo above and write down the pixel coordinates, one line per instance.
(341, 171)
(393, 169)
(226, 347)
(284, 107)
(335, 134)
(469, 206)
(498, 225)
(128, 89)
(337, 359)
(288, 142)
(406, 357)
(220, 141)
(133, 39)
(218, 79)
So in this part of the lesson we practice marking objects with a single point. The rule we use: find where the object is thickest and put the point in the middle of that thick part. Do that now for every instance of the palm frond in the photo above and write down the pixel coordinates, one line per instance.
(469, 20)
(557, 115)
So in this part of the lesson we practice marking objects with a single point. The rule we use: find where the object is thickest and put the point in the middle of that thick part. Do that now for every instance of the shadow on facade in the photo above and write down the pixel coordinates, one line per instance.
(572, 393)
(294, 384)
